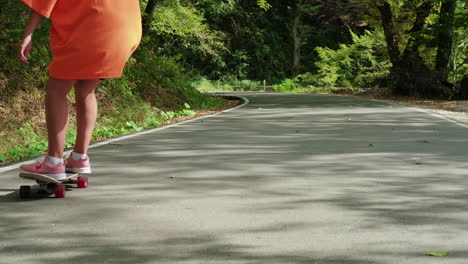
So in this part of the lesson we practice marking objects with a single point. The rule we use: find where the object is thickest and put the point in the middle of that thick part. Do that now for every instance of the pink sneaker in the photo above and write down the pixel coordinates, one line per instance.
(77, 166)
(42, 166)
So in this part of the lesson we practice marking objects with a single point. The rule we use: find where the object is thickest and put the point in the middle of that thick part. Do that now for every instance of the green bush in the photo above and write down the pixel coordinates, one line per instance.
(288, 85)
(300, 85)
(360, 64)
(249, 85)
(205, 85)
(164, 83)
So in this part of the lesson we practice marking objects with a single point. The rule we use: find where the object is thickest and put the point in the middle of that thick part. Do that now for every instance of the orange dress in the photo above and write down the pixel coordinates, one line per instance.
(90, 39)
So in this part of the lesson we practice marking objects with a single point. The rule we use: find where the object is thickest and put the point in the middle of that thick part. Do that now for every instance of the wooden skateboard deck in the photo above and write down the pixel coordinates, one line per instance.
(45, 178)
(49, 185)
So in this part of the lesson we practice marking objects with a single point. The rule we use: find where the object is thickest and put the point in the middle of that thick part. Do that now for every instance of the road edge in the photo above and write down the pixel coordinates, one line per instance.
(442, 114)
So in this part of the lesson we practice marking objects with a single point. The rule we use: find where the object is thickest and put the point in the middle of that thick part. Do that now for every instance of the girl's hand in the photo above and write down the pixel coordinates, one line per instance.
(26, 44)
(24, 49)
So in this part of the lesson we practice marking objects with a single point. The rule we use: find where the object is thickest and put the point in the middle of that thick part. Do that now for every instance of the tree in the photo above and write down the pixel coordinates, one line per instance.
(445, 37)
(411, 74)
(330, 20)
(148, 15)
(296, 35)
(461, 47)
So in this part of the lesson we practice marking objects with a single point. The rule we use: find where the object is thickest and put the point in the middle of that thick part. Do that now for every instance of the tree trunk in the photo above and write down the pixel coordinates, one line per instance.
(296, 35)
(418, 25)
(389, 31)
(148, 15)
(445, 38)
(463, 91)
(410, 74)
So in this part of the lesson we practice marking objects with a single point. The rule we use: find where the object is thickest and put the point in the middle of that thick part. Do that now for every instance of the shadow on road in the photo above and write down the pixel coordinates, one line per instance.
(295, 179)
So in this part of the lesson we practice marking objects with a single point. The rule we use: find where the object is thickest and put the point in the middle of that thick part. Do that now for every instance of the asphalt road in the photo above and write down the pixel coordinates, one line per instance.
(293, 179)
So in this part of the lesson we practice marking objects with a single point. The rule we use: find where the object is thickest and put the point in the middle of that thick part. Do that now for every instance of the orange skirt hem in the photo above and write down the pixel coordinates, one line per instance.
(42, 11)
(86, 77)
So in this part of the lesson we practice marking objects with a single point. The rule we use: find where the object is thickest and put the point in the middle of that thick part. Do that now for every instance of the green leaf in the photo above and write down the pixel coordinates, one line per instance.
(2, 157)
(187, 106)
(263, 4)
(437, 253)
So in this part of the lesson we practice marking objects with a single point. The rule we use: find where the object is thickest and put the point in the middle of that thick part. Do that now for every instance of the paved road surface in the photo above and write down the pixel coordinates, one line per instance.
(287, 179)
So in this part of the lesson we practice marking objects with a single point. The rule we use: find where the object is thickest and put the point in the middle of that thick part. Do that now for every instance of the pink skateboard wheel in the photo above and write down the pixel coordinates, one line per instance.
(82, 182)
(60, 191)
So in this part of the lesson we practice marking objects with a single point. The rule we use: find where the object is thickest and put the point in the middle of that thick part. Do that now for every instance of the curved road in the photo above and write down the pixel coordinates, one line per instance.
(287, 179)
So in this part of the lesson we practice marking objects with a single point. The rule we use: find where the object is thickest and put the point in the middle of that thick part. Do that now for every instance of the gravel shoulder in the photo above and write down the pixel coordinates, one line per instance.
(454, 110)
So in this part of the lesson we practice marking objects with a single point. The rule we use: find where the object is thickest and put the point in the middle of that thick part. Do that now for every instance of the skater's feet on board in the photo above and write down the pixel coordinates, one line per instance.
(46, 166)
(78, 163)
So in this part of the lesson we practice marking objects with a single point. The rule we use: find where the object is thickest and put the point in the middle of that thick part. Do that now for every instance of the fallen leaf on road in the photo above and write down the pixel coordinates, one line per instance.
(371, 145)
(424, 141)
(437, 253)
(417, 162)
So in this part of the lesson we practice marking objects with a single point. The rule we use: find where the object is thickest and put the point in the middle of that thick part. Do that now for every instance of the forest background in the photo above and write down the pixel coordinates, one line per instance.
(412, 48)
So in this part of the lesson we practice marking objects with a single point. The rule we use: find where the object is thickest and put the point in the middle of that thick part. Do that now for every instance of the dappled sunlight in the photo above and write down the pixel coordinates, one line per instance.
(317, 184)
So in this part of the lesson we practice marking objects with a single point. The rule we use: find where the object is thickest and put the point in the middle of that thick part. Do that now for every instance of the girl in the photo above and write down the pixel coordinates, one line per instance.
(90, 40)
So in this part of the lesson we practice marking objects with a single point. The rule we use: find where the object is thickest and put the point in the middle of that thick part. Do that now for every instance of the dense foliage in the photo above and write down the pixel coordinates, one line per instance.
(277, 39)
(404, 42)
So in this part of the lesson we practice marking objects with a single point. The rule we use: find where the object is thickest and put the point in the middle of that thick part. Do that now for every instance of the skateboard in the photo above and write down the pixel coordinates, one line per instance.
(49, 185)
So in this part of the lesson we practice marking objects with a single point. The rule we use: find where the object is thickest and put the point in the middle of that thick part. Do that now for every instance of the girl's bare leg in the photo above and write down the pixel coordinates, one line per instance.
(86, 113)
(57, 114)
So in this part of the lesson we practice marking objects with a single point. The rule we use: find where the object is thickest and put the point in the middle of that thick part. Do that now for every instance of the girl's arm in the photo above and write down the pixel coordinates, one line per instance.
(26, 43)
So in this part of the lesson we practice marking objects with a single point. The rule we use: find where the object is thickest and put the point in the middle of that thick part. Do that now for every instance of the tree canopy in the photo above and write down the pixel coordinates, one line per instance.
(424, 41)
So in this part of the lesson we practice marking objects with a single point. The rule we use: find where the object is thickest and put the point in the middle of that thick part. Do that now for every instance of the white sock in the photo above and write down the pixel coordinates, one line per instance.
(54, 161)
(78, 156)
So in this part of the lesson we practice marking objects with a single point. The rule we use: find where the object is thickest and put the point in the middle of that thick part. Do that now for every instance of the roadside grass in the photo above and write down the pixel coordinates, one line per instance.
(287, 86)
(205, 85)
(30, 139)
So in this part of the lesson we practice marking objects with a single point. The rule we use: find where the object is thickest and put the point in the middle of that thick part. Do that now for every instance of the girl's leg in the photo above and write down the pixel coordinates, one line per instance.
(57, 114)
(86, 113)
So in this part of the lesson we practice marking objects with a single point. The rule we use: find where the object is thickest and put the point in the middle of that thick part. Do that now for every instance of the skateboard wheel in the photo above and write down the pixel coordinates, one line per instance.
(25, 192)
(60, 191)
(82, 182)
